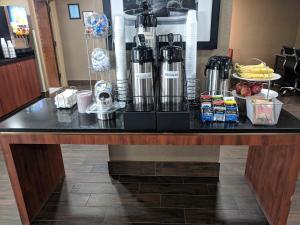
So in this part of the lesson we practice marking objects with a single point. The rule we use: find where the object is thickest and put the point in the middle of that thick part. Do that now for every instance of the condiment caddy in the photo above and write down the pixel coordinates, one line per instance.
(253, 75)
(218, 108)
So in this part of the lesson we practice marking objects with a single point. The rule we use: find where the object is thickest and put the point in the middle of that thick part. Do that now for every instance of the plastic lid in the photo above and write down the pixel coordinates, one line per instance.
(214, 62)
(142, 53)
(171, 53)
(146, 19)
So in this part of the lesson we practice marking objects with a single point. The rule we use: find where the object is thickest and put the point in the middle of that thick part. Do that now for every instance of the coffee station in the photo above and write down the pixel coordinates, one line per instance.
(149, 91)
(157, 81)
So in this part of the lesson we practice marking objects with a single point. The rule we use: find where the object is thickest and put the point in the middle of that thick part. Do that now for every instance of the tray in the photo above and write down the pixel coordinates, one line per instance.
(263, 93)
(139, 120)
(173, 120)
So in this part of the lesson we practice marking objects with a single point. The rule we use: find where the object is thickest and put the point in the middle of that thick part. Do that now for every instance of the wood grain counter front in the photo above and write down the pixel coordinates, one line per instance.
(19, 84)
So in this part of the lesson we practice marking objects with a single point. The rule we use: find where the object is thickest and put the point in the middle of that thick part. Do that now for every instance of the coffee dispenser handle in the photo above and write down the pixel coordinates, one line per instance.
(171, 39)
(227, 70)
(145, 6)
(142, 39)
(226, 73)
(205, 71)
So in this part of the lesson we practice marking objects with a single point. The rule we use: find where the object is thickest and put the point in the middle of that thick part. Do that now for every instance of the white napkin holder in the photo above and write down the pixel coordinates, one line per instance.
(66, 99)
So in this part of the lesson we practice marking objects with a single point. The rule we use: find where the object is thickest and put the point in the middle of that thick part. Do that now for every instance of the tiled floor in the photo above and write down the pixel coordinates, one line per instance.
(89, 196)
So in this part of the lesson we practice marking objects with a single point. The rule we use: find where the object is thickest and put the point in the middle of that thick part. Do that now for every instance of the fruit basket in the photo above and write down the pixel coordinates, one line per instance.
(253, 78)
(255, 81)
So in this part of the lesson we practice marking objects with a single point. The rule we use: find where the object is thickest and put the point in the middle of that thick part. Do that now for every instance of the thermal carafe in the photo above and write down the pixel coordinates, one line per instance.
(225, 74)
(212, 74)
(218, 72)
(146, 24)
(171, 76)
(142, 76)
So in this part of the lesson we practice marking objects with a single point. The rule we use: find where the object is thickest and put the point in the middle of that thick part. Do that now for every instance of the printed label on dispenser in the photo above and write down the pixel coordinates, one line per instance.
(148, 35)
(171, 74)
(143, 75)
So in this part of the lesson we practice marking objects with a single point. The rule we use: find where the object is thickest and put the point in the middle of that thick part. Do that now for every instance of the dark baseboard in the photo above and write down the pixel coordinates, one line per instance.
(81, 83)
(181, 169)
(45, 94)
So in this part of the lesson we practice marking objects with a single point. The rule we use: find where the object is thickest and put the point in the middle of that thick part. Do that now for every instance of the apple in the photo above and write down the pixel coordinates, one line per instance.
(246, 91)
(256, 88)
(238, 87)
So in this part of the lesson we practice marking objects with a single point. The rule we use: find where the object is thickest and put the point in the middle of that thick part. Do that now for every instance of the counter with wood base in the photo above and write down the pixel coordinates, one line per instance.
(19, 83)
(31, 143)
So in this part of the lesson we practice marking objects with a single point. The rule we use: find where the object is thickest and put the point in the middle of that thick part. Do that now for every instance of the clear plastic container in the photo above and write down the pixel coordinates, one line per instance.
(264, 112)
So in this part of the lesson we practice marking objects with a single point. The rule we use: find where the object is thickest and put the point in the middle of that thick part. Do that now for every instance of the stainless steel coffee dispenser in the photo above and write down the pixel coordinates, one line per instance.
(212, 74)
(142, 79)
(146, 24)
(226, 71)
(171, 76)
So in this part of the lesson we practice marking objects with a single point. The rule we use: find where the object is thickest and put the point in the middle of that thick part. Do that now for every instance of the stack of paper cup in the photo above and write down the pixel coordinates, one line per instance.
(191, 53)
(120, 53)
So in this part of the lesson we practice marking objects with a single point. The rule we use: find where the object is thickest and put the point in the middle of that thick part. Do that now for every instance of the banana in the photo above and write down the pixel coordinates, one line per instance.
(259, 71)
(262, 65)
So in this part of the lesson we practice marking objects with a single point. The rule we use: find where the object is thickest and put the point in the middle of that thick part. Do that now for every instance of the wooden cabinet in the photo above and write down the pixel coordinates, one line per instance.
(8, 100)
(19, 84)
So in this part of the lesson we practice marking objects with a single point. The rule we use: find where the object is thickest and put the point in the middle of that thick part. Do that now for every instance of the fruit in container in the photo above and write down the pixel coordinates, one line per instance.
(238, 87)
(256, 76)
(256, 88)
(246, 91)
(260, 71)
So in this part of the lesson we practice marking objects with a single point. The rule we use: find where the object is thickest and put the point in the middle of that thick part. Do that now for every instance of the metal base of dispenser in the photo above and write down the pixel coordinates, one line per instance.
(106, 116)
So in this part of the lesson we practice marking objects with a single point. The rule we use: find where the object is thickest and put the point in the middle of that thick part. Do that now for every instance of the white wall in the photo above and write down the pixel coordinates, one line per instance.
(261, 27)
(73, 42)
(164, 153)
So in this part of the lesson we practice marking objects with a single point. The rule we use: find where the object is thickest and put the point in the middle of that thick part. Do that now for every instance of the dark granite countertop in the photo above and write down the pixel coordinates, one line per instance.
(10, 61)
(42, 116)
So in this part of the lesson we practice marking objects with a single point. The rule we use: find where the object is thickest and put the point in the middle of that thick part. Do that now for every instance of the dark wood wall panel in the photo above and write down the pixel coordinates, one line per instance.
(40, 169)
(8, 86)
(48, 48)
(272, 172)
(182, 169)
(31, 82)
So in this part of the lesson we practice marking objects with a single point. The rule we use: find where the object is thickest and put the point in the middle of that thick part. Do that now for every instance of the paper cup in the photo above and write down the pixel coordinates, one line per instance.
(84, 99)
